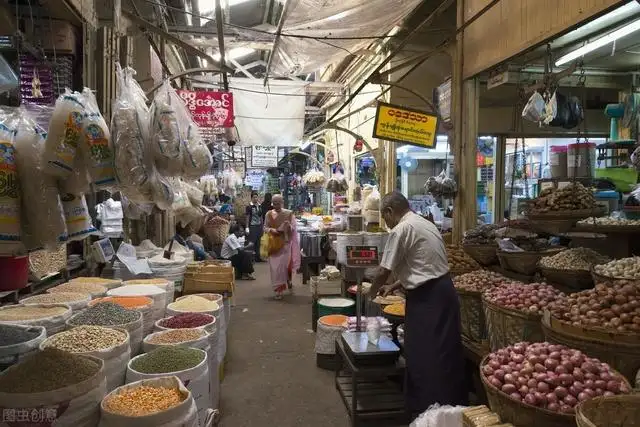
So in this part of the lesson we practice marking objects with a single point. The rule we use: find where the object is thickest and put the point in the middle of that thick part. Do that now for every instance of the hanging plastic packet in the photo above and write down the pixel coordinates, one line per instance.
(79, 181)
(97, 150)
(10, 238)
(162, 192)
(42, 217)
(197, 158)
(166, 133)
(64, 134)
(180, 197)
(134, 210)
(534, 111)
(129, 133)
(76, 214)
(194, 193)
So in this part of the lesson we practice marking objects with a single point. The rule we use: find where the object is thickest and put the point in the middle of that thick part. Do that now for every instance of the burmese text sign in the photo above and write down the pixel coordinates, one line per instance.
(209, 109)
(406, 125)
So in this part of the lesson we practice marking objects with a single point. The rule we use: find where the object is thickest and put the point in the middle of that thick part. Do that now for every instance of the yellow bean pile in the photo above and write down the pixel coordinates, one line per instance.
(143, 400)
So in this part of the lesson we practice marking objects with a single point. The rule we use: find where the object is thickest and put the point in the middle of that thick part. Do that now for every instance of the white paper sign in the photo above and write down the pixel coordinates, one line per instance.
(264, 156)
(254, 178)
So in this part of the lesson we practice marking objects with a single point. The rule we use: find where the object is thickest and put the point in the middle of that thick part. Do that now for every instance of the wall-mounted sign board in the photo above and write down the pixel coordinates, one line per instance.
(264, 156)
(406, 125)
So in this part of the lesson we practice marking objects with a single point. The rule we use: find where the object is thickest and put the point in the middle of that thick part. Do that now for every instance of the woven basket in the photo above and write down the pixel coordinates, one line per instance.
(620, 350)
(519, 413)
(613, 411)
(525, 262)
(216, 232)
(608, 280)
(506, 327)
(568, 280)
(472, 315)
(483, 254)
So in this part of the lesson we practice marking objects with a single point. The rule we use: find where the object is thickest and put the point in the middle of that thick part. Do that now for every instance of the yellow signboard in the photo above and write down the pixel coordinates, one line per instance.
(405, 125)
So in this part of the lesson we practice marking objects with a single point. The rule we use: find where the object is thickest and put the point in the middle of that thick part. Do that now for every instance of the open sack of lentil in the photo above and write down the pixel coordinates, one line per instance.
(109, 315)
(158, 295)
(17, 342)
(52, 387)
(163, 401)
(108, 344)
(52, 317)
(190, 365)
(142, 304)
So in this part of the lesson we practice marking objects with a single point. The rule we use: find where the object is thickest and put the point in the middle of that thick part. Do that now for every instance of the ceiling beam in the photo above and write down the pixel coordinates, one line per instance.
(220, 23)
(244, 70)
(283, 17)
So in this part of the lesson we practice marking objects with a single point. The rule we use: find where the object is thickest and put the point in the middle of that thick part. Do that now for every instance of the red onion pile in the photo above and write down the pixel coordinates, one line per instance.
(553, 377)
(530, 298)
(479, 280)
(612, 308)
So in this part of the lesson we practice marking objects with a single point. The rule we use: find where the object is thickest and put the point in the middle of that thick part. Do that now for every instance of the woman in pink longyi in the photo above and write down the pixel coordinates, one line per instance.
(284, 247)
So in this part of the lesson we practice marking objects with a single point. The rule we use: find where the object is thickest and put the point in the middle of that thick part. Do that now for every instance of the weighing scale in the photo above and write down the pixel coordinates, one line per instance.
(357, 343)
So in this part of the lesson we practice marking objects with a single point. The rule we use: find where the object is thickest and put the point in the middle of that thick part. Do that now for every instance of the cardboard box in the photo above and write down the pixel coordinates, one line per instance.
(53, 35)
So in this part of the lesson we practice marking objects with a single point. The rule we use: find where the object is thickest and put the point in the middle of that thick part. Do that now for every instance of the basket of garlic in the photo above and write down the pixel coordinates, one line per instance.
(609, 224)
(571, 269)
(625, 269)
(314, 179)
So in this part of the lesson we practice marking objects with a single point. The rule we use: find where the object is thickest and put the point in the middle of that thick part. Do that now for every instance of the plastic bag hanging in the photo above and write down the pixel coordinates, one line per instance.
(534, 111)
(76, 213)
(129, 132)
(166, 133)
(42, 217)
(97, 148)
(10, 234)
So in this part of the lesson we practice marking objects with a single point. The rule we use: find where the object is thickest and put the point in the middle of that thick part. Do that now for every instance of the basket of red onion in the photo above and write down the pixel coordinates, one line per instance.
(603, 322)
(469, 287)
(540, 384)
(513, 312)
(610, 411)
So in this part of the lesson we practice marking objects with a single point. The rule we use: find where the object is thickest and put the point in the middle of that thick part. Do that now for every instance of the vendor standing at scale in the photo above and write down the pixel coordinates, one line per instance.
(416, 254)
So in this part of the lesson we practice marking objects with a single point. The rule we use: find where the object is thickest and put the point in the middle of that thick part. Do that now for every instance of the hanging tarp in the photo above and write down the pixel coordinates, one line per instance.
(269, 115)
(335, 19)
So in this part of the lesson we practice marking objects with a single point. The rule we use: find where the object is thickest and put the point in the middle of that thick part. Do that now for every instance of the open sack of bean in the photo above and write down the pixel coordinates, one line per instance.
(163, 401)
(108, 344)
(53, 387)
(190, 365)
(552, 378)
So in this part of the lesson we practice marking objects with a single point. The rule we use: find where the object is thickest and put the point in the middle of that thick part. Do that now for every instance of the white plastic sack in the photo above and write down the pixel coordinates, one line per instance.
(53, 324)
(440, 416)
(42, 217)
(64, 133)
(115, 360)
(372, 202)
(157, 294)
(182, 415)
(77, 217)
(195, 379)
(73, 406)
(550, 109)
(97, 148)
(12, 354)
(10, 238)
(133, 328)
(534, 111)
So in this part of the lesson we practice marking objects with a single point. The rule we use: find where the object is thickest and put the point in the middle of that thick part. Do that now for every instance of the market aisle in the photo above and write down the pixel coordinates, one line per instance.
(271, 377)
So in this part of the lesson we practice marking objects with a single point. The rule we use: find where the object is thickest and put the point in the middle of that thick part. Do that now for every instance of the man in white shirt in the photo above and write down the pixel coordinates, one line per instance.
(416, 254)
(240, 256)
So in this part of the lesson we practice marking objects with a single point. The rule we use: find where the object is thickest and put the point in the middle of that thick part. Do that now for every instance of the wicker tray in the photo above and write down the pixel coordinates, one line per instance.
(620, 350)
(608, 280)
(524, 262)
(570, 280)
(483, 254)
(576, 214)
(473, 325)
(520, 413)
(506, 327)
(614, 411)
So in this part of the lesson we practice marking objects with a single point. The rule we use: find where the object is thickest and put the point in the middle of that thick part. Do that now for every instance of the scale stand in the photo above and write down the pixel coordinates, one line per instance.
(357, 343)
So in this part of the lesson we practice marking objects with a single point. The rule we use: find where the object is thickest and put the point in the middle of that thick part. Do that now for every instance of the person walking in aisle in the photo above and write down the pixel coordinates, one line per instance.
(266, 205)
(254, 226)
(416, 254)
(284, 246)
(240, 256)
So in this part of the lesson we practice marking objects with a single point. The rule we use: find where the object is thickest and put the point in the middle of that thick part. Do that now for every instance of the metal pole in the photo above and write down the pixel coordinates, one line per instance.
(283, 17)
(220, 24)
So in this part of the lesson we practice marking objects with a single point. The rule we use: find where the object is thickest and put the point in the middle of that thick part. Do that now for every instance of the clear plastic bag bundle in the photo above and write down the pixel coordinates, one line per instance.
(42, 217)
(441, 185)
(337, 183)
(64, 134)
(78, 181)
(194, 193)
(230, 181)
(10, 234)
(162, 192)
(134, 210)
(166, 133)
(197, 158)
(129, 133)
(180, 197)
(97, 148)
(314, 178)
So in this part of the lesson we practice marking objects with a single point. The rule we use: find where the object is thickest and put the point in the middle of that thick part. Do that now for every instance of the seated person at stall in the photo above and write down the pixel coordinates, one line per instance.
(183, 237)
(241, 257)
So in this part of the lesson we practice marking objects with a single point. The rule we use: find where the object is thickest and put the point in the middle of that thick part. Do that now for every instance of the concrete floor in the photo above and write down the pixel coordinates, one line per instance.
(271, 375)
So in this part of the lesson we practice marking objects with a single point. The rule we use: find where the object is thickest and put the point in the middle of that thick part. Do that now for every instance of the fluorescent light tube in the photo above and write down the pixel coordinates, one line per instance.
(598, 43)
